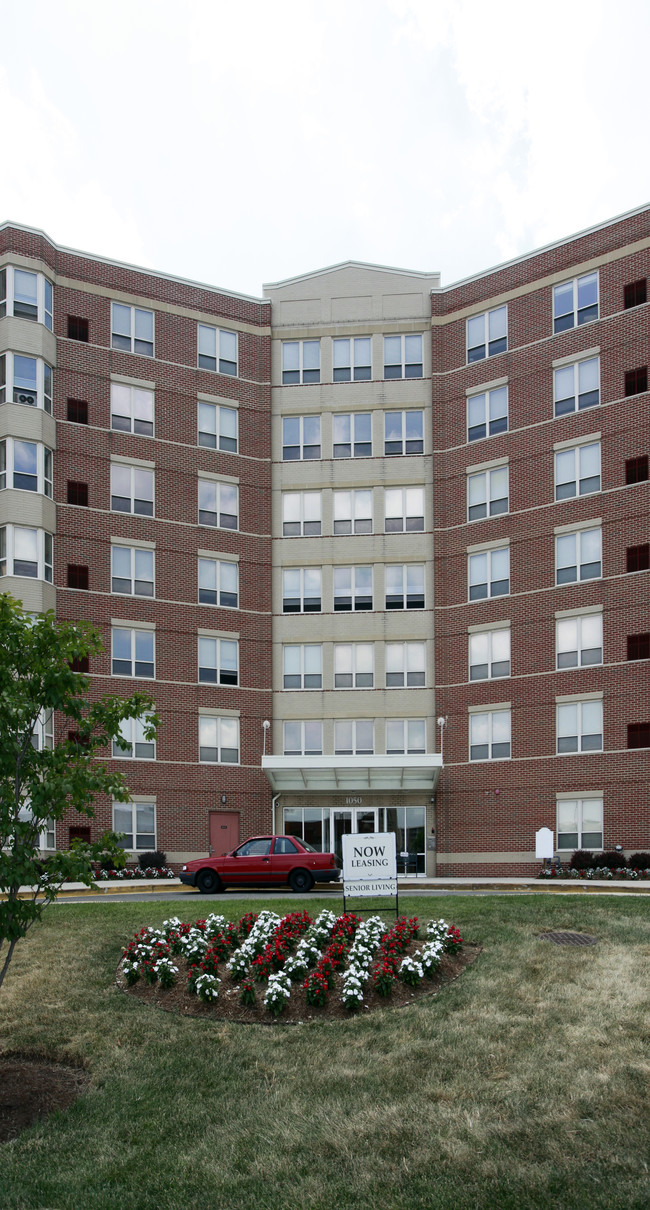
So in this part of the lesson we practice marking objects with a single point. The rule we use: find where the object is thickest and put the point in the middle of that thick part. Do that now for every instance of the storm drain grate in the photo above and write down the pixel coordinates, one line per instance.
(568, 938)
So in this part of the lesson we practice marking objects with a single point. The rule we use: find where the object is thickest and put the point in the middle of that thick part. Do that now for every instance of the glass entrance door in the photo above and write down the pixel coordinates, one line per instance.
(355, 819)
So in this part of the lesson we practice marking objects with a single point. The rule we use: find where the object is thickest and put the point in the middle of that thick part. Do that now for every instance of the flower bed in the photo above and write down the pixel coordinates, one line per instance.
(621, 874)
(294, 968)
(133, 874)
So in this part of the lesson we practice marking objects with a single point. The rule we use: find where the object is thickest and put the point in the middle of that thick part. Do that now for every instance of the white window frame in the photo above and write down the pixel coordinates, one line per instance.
(220, 489)
(213, 338)
(38, 396)
(46, 834)
(410, 517)
(495, 642)
(491, 323)
(307, 746)
(358, 437)
(136, 581)
(408, 745)
(485, 492)
(354, 663)
(502, 714)
(309, 652)
(584, 838)
(150, 843)
(303, 595)
(135, 636)
(292, 375)
(44, 295)
(135, 473)
(410, 599)
(579, 535)
(409, 660)
(563, 717)
(219, 591)
(580, 400)
(356, 593)
(579, 315)
(409, 360)
(583, 485)
(132, 731)
(303, 448)
(358, 733)
(490, 581)
(224, 672)
(8, 472)
(140, 409)
(132, 339)
(219, 435)
(352, 511)
(44, 560)
(307, 514)
(582, 653)
(404, 440)
(43, 732)
(494, 421)
(220, 725)
(352, 364)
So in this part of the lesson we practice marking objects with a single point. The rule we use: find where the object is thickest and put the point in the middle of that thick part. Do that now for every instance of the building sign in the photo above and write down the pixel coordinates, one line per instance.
(369, 864)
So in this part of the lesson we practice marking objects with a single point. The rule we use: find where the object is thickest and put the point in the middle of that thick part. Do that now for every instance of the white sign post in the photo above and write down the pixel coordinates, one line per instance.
(544, 844)
(369, 866)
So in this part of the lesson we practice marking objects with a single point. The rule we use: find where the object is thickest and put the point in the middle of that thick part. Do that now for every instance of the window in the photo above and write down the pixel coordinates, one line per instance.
(131, 409)
(578, 556)
(300, 438)
(218, 583)
(43, 733)
(577, 386)
(137, 822)
(300, 361)
(132, 571)
(636, 381)
(217, 349)
(403, 432)
(403, 509)
(132, 329)
(577, 471)
(351, 359)
(301, 590)
(352, 589)
(489, 654)
(405, 735)
(218, 504)
(77, 411)
(405, 586)
(638, 557)
(219, 740)
(634, 294)
(25, 552)
(489, 735)
(303, 738)
(638, 735)
(218, 427)
(77, 493)
(25, 296)
(575, 302)
(352, 435)
(77, 328)
(354, 737)
(638, 646)
(132, 731)
(133, 652)
(25, 466)
(354, 666)
(579, 640)
(77, 576)
(26, 380)
(487, 334)
(489, 573)
(405, 665)
(487, 493)
(46, 837)
(402, 356)
(218, 661)
(132, 489)
(580, 727)
(636, 469)
(579, 823)
(487, 414)
(353, 512)
(82, 664)
(301, 514)
(302, 666)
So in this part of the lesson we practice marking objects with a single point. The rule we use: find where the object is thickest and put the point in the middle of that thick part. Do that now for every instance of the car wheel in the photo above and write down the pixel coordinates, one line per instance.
(300, 880)
(209, 882)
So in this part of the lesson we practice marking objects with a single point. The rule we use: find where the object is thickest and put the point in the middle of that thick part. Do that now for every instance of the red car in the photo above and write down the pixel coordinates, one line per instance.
(263, 861)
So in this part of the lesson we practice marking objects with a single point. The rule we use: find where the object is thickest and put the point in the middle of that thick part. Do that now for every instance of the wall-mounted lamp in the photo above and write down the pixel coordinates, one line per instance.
(265, 727)
(223, 798)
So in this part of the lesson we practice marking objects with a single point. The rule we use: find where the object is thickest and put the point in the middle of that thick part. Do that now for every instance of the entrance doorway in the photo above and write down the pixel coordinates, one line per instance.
(355, 819)
(224, 832)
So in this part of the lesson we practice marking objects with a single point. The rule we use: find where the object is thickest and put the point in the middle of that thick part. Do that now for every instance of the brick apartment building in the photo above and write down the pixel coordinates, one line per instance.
(385, 516)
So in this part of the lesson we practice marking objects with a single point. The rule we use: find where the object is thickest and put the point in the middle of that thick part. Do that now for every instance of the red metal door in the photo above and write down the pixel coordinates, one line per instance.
(224, 832)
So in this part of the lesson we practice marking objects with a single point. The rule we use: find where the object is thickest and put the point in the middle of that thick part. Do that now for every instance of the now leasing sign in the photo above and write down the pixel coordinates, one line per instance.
(369, 864)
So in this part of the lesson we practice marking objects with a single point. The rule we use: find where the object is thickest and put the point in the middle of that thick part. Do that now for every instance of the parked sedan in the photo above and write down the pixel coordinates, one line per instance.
(263, 861)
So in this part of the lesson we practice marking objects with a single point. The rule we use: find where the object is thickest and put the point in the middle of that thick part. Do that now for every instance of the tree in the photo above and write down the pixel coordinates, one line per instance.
(42, 775)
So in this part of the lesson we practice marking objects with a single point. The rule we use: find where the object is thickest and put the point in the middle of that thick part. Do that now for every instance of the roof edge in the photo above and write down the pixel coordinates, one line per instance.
(350, 264)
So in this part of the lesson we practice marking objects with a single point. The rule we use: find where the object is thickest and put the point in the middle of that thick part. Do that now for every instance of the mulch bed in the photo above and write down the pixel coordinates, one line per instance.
(228, 1008)
(30, 1091)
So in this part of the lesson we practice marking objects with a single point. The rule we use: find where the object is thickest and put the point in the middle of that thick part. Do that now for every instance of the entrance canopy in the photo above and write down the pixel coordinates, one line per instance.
(340, 774)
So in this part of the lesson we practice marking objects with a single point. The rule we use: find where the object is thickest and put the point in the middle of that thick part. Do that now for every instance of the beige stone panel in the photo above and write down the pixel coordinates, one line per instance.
(24, 336)
(354, 281)
(354, 308)
(325, 395)
(403, 306)
(28, 424)
(27, 508)
(352, 703)
(376, 626)
(35, 595)
(492, 858)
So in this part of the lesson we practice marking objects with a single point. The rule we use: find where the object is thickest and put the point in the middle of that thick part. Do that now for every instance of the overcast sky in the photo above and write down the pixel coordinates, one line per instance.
(238, 145)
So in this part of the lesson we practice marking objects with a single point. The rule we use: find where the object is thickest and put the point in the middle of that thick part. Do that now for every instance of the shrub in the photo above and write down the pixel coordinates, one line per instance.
(582, 860)
(613, 861)
(151, 861)
(639, 861)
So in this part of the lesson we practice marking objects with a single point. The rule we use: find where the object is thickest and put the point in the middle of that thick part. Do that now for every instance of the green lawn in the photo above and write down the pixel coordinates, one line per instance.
(523, 1084)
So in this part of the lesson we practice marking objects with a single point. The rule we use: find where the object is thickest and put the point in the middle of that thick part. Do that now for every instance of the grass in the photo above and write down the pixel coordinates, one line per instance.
(524, 1084)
